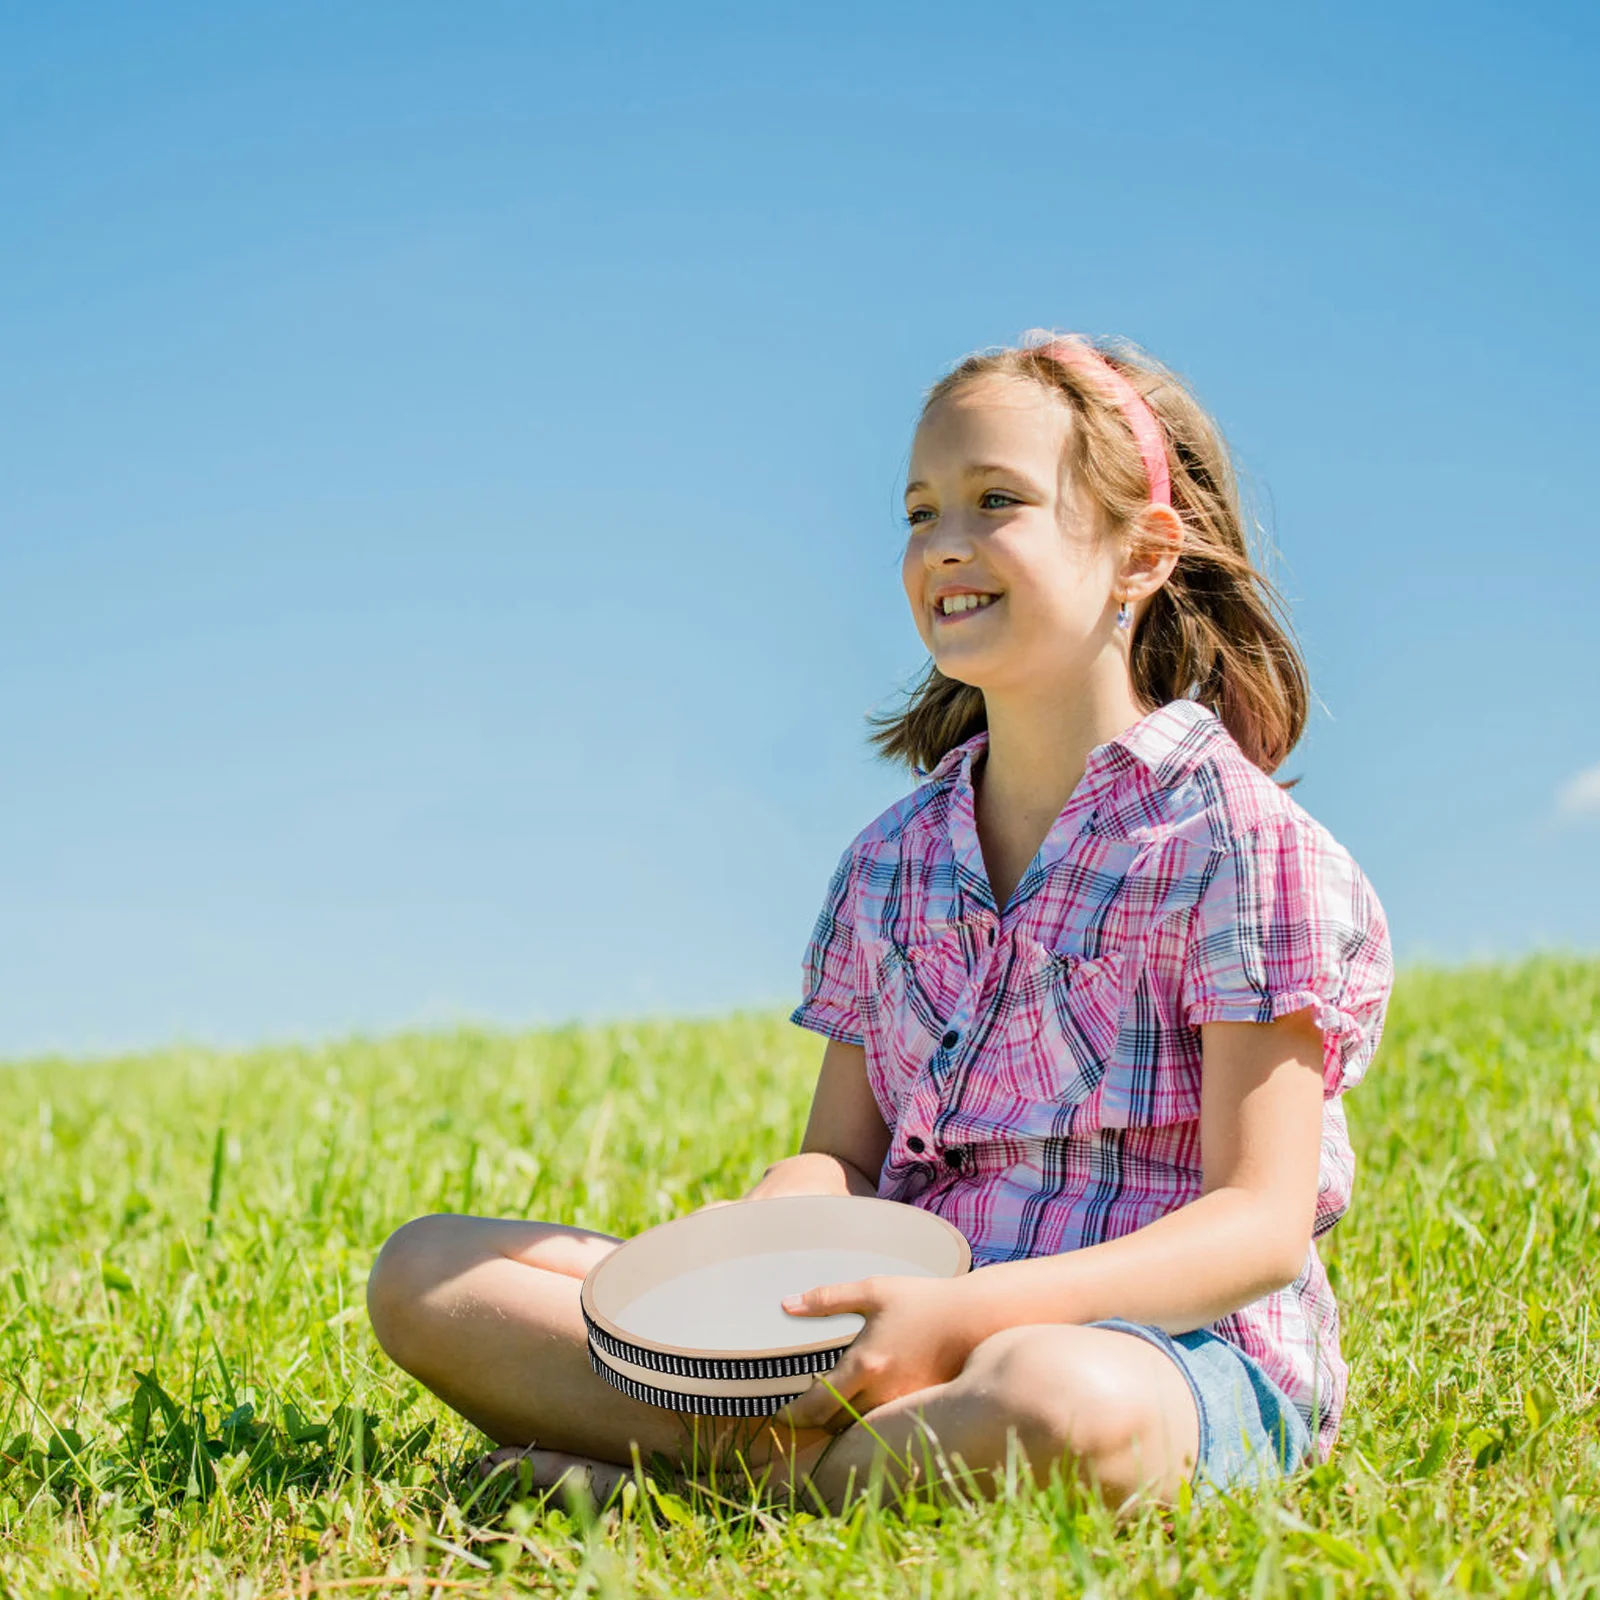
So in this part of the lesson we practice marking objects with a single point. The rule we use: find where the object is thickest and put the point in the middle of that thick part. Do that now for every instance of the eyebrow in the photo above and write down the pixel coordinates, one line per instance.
(982, 469)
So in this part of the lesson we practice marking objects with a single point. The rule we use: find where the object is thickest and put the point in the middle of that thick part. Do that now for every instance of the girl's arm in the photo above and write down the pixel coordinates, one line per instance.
(846, 1138)
(1246, 1235)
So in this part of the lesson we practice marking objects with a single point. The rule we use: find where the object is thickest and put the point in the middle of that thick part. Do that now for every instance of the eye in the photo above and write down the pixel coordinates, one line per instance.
(911, 521)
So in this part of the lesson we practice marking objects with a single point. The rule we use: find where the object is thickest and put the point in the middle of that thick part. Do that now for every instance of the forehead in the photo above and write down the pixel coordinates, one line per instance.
(998, 418)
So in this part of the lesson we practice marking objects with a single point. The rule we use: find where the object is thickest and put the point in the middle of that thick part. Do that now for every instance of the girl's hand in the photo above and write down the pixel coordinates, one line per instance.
(916, 1335)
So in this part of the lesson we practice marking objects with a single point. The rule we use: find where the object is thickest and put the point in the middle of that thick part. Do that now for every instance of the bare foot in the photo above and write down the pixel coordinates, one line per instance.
(774, 1470)
(546, 1468)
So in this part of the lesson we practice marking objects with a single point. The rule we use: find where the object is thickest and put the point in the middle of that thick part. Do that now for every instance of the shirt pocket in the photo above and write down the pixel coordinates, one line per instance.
(913, 989)
(1067, 1012)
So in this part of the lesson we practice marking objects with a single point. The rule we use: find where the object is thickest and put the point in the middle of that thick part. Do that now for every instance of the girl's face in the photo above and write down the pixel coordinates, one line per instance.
(989, 510)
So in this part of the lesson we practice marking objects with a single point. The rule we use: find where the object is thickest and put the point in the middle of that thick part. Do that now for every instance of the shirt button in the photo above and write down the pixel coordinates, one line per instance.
(953, 1156)
(915, 1145)
(950, 1040)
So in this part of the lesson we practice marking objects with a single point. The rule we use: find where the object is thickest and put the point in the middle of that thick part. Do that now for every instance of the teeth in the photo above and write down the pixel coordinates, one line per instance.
(965, 602)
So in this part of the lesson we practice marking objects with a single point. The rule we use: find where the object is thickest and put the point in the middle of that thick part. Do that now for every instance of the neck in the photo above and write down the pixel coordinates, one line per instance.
(1039, 743)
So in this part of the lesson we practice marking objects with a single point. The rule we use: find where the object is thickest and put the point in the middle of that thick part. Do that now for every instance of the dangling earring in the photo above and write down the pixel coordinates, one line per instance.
(1124, 615)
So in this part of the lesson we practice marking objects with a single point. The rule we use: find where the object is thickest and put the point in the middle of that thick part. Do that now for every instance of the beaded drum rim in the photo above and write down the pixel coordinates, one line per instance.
(705, 1405)
(729, 1369)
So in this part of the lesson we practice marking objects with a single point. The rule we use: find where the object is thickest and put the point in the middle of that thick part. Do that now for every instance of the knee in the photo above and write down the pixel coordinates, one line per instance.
(414, 1260)
(1081, 1406)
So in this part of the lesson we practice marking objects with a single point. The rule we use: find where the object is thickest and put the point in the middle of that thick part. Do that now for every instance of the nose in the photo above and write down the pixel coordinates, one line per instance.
(949, 540)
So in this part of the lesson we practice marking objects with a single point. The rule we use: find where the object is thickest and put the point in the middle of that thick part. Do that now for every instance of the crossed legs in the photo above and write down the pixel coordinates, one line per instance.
(485, 1312)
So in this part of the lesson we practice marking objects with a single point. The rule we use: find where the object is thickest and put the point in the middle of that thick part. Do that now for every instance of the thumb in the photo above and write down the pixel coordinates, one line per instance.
(826, 1299)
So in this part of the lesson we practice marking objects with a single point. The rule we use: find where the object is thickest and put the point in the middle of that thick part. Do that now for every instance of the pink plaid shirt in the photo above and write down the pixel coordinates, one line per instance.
(1040, 1069)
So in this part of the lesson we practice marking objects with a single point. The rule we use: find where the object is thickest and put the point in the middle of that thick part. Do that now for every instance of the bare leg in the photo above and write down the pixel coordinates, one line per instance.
(1107, 1405)
(485, 1312)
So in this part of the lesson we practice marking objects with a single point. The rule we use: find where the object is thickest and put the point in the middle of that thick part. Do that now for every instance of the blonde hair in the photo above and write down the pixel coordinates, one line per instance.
(1209, 633)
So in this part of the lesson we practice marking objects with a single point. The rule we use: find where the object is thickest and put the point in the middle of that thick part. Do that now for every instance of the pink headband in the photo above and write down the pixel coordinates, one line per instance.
(1073, 350)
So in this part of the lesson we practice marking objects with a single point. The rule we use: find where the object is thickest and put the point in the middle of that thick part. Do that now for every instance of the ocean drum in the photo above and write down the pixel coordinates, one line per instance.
(689, 1315)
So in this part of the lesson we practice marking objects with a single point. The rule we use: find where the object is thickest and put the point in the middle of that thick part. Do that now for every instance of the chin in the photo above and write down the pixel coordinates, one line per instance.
(959, 674)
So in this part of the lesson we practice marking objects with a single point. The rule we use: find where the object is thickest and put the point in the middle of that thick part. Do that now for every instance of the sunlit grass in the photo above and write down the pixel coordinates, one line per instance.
(191, 1401)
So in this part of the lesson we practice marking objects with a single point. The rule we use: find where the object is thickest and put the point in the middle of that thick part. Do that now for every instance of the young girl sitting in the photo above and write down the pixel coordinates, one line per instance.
(1091, 992)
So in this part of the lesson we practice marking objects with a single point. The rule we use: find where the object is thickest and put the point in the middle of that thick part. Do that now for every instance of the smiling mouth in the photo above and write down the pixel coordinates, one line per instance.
(963, 615)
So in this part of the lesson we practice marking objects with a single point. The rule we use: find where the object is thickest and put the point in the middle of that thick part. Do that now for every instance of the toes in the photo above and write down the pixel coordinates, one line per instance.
(496, 1459)
(597, 1479)
(547, 1468)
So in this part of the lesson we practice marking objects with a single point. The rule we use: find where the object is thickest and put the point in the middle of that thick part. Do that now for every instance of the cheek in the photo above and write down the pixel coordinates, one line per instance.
(911, 580)
(1049, 581)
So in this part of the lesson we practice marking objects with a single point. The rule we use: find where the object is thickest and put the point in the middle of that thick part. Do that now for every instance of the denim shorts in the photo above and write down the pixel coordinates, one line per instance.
(1250, 1430)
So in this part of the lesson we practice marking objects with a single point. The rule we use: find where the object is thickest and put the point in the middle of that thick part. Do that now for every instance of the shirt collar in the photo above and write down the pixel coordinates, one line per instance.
(1167, 742)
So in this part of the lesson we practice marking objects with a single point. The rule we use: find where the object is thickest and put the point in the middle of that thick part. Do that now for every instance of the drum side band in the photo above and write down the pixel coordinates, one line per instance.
(787, 1387)
(720, 1368)
(712, 1405)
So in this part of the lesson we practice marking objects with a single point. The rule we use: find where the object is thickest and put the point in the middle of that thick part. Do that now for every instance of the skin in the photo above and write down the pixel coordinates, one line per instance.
(486, 1313)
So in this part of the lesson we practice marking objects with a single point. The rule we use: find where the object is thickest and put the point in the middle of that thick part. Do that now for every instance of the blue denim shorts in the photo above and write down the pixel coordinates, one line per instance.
(1250, 1431)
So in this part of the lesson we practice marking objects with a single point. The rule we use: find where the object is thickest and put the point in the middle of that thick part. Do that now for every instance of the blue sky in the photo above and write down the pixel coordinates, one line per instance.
(448, 526)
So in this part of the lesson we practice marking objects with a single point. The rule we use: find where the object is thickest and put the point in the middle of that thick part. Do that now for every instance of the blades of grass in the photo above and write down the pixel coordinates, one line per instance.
(469, 1178)
(222, 1363)
(219, 1158)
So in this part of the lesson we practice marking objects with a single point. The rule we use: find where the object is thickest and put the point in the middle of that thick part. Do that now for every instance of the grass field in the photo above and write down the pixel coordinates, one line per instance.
(192, 1403)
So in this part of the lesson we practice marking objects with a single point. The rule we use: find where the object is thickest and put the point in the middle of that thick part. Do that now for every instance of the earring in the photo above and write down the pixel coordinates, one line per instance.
(1124, 615)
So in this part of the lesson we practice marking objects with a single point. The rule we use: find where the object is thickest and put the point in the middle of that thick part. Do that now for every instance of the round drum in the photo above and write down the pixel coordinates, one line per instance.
(689, 1315)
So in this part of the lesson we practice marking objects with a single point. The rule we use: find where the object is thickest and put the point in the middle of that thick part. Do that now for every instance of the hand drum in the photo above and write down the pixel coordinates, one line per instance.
(688, 1315)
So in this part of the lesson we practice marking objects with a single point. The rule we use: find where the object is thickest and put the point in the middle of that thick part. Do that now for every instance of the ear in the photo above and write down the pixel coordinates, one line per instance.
(1154, 545)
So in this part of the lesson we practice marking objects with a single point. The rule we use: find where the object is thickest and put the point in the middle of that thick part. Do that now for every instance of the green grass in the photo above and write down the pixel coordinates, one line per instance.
(192, 1403)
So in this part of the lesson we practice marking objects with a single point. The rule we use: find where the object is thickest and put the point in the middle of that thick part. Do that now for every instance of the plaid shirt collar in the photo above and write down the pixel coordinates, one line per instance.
(1177, 736)
(1167, 744)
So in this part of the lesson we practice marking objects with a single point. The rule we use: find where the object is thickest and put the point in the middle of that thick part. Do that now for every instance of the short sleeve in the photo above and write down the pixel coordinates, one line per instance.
(828, 972)
(1289, 921)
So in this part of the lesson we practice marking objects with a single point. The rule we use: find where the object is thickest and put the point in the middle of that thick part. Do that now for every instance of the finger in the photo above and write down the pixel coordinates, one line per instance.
(828, 1298)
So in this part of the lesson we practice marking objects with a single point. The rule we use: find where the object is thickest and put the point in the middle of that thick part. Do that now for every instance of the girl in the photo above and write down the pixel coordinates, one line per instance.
(1091, 992)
